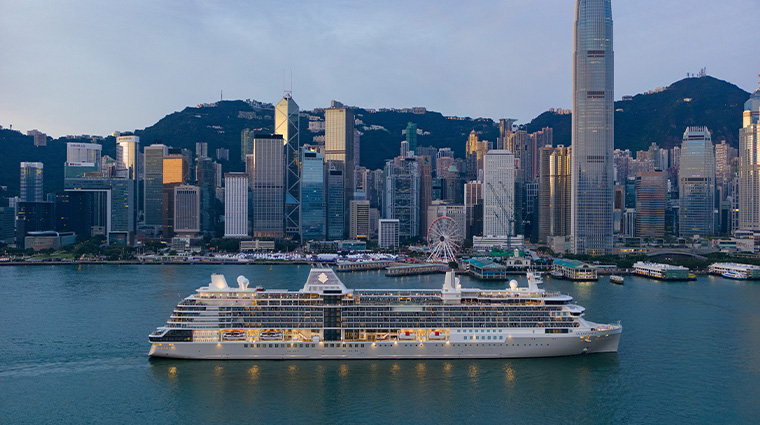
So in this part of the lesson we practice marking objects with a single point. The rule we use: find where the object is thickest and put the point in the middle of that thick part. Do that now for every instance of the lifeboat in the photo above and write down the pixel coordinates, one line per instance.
(407, 336)
(383, 337)
(271, 336)
(437, 335)
(234, 336)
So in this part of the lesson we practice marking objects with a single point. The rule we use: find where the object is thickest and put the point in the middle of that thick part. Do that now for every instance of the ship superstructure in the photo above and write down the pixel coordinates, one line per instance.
(326, 320)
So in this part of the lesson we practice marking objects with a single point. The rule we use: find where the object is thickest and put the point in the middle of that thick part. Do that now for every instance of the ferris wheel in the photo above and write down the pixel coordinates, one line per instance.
(444, 239)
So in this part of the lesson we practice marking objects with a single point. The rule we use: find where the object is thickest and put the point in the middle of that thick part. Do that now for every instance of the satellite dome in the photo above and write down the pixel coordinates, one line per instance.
(513, 284)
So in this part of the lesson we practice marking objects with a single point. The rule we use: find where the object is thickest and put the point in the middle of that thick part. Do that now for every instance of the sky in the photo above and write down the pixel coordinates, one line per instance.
(95, 67)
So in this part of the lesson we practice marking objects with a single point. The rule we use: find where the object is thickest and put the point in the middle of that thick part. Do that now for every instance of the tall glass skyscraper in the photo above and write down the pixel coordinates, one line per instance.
(286, 124)
(31, 181)
(267, 186)
(593, 129)
(696, 183)
(312, 196)
(154, 184)
(749, 166)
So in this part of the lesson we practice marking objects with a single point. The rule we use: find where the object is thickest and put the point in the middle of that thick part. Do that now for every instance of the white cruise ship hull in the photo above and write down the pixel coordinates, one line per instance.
(522, 346)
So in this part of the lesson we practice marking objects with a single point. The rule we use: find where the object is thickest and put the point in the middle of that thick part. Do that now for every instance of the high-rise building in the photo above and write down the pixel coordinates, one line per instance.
(696, 178)
(553, 192)
(187, 206)
(127, 148)
(359, 228)
(100, 206)
(40, 139)
(476, 150)
(312, 196)
(499, 193)
(236, 205)
(286, 124)
(388, 233)
(749, 165)
(593, 129)
(176, 172)
(201, 149)
(268, 186)
(473, 204)
(33, 216)
(651, 197)
(82, 158)
(402, 195)
(31, 182)
(336, 206)
(153, 199)
(411, 136)
(505, 130)
(522, 147)
(246, 143)
(339, 151)
(205, 175)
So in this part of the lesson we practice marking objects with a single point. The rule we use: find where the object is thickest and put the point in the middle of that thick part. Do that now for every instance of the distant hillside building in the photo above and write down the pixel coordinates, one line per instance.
(31, 182)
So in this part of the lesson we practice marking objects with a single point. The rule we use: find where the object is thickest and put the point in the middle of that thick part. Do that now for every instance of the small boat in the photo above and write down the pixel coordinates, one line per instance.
(616, 279)
(437, 336)
(731, 274)
(407, 336)
(556, 274)
(234, 336)
(271, 336)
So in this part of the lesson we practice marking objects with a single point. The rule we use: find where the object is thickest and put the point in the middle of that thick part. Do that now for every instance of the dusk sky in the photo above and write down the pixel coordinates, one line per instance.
(94, 67)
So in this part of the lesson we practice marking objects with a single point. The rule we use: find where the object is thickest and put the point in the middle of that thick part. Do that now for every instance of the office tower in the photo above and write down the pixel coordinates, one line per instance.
(592, 129)
(426, 190)
(357, 147)
(81, 159)
(99, 206)
(268, 186)
(499, 193)
(539, 139)
(246, 143)
(312, 196)
(427, 151)
(176, 172)
(411, 136)
(31, 181)
(222, 154)
(339, 151)
(388, 233)
(505, 130)
(475, 152)
(286, 124)
(445, 168)
(359, 228)
(153, 188)
(40, 139)
(521, 146)
(336, 207)
(127, 148)
(7, 224)
(553, 192)
(651, 197)
(236, 205)
(749, 165)
(724, 154)
(404, 152)
(473, 204)
(441, 209)
(696, 178)
(201, 149)
(205, 175)
(402, 195)
(187, 210)
(32, 216)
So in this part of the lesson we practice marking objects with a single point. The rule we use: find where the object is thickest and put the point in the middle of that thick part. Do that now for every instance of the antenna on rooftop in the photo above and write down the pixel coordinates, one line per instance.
(221, 95)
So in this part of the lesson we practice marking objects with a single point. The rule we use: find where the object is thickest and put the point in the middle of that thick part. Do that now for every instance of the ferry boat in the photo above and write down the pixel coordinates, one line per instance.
(325, 320)
(735, 271)
(733, 274)
(617, 279)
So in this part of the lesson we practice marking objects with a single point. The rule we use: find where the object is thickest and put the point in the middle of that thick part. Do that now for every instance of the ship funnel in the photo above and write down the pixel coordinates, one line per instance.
(449, 285)
(243, 282)
(218, 282)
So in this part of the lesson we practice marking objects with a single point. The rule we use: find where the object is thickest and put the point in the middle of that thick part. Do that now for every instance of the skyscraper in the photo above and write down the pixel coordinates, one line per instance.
(336, 207)
(553, 192)
(359, 216)
(268, 186)
(153, 158)
(205, 175)
(246, 144)
(339, 152)
(235, 205)
(82, 158)
(286, 124)
(31, 182)
(312, 196)
(402, 195)
(696, 183)
(592, 129)
(411, 136)
(175, 173)
(749, 165)
(126, 156)
(651, 197)
(499, 193)
(187, 205)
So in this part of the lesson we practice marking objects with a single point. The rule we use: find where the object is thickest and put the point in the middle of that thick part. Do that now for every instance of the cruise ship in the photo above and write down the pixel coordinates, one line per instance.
(325, 320)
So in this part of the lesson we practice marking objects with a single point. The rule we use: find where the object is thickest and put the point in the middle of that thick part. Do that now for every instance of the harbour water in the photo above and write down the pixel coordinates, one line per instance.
(74, 350)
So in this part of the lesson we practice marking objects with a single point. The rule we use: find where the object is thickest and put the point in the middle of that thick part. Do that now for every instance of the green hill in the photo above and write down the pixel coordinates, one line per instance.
(663, 116)
(659, 117)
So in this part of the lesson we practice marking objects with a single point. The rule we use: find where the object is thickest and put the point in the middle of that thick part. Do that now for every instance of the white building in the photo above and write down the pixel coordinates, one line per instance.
(749, 166)
(235, 205)
(388, 233)
(127, 148)
(499, 193)
(187, 210)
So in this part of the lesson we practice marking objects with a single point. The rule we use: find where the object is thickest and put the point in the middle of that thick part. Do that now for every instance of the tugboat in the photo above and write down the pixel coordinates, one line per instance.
(617, 279)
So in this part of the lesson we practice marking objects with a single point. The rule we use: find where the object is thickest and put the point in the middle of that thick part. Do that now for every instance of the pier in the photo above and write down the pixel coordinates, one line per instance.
(348, 266)
(416, 269)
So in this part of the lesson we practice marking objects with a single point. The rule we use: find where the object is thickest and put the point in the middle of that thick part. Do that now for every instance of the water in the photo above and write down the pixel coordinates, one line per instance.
(74, 350)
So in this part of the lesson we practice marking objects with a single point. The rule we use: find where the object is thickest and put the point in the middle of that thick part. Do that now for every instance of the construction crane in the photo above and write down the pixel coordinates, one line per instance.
(507, 217)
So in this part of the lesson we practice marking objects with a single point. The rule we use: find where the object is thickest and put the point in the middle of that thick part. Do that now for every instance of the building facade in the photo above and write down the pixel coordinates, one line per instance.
(388, 233)
(313, 215)
(268, 186)
(153, 158)
(651, 198)
(31, 182)
(359, 212)
(749, 165)
(499, 193)
(696, 183)
(187, 210)
(236, 205)
(592, 129)
(286, 124)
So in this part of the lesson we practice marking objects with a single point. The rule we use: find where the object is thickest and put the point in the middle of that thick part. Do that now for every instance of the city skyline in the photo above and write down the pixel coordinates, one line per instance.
(113, 72)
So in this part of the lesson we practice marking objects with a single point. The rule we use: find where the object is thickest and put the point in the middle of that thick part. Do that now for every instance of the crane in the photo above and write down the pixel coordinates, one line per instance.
(510, 220)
